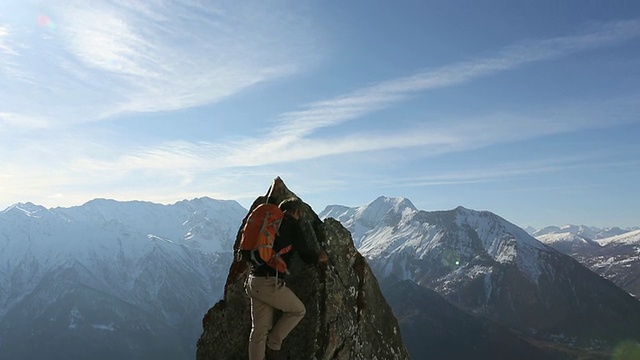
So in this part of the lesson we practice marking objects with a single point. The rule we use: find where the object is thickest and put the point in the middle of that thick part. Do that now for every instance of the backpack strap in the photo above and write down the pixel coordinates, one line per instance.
(277, 259)
(255, 259)
(284, 250)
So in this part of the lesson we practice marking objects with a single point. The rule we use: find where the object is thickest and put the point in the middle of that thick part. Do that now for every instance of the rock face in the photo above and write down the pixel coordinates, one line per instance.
(347, 315)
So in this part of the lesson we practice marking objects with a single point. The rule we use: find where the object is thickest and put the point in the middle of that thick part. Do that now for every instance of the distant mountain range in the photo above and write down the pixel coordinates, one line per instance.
(486, 265)
(616, 257)
(108, 279)
(133, 280)
(589, 232)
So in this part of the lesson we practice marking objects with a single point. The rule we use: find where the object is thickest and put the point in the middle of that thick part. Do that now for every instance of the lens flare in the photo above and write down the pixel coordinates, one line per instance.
(627, 350)
(45, 21)
(450, 258)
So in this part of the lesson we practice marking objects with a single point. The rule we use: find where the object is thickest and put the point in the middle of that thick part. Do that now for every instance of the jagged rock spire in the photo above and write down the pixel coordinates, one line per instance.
(347, 316)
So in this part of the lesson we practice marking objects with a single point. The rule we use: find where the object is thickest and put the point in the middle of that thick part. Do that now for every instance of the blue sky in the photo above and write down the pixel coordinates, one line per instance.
(530, 110)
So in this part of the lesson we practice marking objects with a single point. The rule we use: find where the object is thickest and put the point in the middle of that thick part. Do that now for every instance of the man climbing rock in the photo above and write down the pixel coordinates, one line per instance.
(267, 288)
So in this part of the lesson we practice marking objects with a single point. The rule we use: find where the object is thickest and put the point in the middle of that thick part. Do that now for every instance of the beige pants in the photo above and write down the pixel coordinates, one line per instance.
(265, 298)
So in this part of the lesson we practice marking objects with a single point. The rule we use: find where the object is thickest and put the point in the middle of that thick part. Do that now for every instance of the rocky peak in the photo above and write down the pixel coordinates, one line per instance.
(347, 316)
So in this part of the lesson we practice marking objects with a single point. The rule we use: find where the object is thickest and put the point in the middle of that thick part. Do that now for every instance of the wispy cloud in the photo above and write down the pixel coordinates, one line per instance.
(500, 172)
(457, 134)
(433, 137)
(389, 93)
(294, 136)
(4, 44)
(16, 122)
(148, 56)
(10, 49)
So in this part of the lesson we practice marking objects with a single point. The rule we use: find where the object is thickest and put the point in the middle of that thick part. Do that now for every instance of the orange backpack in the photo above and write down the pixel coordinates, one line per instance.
(259, 234)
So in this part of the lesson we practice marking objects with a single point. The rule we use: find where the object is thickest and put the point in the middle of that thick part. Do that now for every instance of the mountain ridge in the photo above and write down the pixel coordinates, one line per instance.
(485, 264)
(157, 263)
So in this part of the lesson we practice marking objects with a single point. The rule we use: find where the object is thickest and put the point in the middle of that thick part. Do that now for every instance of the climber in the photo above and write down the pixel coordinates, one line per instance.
(268, 291)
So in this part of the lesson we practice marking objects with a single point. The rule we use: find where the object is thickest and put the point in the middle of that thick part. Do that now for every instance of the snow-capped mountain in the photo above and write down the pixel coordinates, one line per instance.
(361, 221)
(584, 231)
(392, 230)
(631, 238)
(569, 243)
(109, 273)
(485, 264)
(574, 239)
(618, 259)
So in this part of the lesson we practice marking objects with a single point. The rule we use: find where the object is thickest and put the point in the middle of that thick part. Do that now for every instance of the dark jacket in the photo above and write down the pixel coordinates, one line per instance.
(288, 234)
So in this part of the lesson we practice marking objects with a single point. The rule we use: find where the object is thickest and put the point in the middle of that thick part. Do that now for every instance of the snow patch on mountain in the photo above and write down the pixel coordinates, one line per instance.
(104, 327)
(629, 238)
(505, 242)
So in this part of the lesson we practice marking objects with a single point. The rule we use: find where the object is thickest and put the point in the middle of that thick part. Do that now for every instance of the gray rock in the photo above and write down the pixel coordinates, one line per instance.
(347, 315)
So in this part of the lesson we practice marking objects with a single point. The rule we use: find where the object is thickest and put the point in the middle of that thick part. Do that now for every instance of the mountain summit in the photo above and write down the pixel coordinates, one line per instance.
(347, 316)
